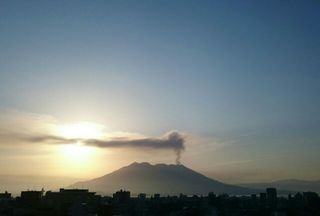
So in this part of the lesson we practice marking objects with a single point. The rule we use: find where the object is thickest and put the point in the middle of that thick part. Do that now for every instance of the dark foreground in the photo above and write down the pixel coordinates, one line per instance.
(82, 202)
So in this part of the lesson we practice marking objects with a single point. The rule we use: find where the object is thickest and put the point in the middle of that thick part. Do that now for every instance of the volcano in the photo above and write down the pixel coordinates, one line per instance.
(160, 178)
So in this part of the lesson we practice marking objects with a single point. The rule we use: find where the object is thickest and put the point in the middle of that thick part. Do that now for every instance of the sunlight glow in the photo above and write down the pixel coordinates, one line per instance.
(77, 151)
(85, 130)
(76, 156)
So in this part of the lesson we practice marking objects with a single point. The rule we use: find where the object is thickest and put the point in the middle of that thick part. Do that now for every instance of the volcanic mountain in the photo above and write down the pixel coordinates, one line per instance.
(159, 178)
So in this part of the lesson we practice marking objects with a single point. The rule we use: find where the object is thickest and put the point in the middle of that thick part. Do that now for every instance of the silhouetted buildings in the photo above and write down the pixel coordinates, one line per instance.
(311, 199)
(272, 197)
(263, 198)
(82, 202)
(156, 196)
(121, 197)
(71, 195)
(31, 198)
(5, 195)
(6, 203)
(73, 201)
(142, 196)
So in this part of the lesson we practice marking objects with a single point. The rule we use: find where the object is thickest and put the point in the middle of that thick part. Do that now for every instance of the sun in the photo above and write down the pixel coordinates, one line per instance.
(82, 130)
(76, 159)
(76, 156)
(77, 152)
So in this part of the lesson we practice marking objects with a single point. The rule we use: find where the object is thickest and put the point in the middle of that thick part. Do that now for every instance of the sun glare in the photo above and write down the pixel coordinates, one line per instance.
(77, 151)
(77, 156)
(84, 130)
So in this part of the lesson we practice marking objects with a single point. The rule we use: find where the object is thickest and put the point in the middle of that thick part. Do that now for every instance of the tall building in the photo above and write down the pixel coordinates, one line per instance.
(272, 197)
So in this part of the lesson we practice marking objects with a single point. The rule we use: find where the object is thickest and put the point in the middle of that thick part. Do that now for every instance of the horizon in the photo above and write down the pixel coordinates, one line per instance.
(227, 89)
(284, 187)
(155, 164)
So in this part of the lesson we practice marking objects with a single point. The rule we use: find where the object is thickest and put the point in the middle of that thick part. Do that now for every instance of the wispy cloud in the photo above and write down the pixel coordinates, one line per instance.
(36, 130)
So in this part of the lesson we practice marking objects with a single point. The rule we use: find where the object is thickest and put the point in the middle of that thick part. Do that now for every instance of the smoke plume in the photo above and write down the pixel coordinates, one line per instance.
(171, 141)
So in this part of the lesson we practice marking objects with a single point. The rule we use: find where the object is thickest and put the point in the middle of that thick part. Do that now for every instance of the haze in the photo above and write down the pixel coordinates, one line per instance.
(230, 88)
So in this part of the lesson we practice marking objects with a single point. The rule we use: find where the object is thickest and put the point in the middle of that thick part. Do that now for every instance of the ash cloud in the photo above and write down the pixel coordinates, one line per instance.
(171, 141)
(26, 128)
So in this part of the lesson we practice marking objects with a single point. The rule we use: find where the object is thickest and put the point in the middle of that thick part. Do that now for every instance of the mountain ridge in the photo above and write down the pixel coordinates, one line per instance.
(159, 178)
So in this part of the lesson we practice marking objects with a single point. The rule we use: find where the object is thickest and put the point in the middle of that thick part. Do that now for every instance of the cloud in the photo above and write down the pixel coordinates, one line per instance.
(49, 139)
(17, 128)
(171, 141)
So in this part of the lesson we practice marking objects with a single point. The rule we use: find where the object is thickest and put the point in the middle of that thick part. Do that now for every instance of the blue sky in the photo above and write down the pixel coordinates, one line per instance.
(245, 71)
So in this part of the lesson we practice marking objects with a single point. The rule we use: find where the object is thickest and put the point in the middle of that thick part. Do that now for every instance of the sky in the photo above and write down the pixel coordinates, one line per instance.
(237, 82)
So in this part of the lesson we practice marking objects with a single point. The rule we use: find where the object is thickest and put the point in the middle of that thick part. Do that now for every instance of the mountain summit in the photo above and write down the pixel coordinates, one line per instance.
(159, 178)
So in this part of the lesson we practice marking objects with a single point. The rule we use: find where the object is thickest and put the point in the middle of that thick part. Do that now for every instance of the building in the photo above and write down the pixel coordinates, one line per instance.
(67, 197)
(5, 196)
(72, 201)
(31, 198)
(311, 198)
(156, 196)
(121, 196)
(263, 198)
(272, 197)
(142, 196)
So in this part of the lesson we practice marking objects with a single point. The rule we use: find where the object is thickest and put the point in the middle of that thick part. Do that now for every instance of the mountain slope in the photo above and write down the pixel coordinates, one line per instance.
(159, 178)
(289, 185)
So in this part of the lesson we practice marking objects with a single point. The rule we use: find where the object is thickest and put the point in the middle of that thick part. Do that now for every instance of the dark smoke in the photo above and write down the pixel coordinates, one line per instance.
(172, 140)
